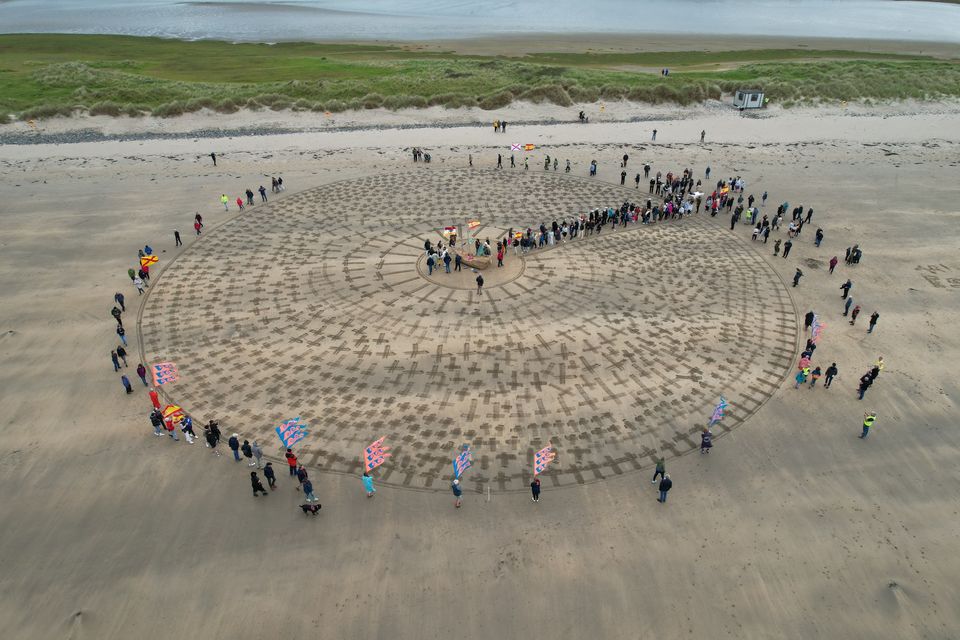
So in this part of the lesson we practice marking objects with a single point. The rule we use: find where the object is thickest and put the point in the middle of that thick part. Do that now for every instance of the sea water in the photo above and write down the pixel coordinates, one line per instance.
(271, 21)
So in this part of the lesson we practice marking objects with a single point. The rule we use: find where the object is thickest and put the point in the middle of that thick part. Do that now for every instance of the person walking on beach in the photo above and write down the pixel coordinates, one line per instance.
(263, 195)
(776, 247)
(623, 162)
(213, 156)
(457, 262)
(457, 493)
(247, 451)
(234, 443)
(122, 335)
(212, 435)
(654, 136)
(118, 298)
(479, 284)
(270, 476)
(830, 375)
(256, 484)
(224, 200)
(535, 485)
(846, 306)
(368, 484)
(122, 353)
(868, 419)
(176, 238)
(786, 249)
(833, 263)
(126, 384)
(808, 320)
(797, 276)
(308, 490)
(138, 283)
(665, 485)
(249, 197)
(814, 376)
(703, 136)
(116, 361)
(156, 419)
(291, 462)
(197, 226)
(142, 373)
(623, 178)
(115, 312)
(660, 470)
(873, 321)
(186, 425)
(239, 203)
(499, 161)
(257, 453)
(854, 314)
(302, 476)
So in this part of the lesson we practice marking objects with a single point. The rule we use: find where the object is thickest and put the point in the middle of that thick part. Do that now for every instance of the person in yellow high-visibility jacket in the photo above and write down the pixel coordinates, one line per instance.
(224, 200)
(868, 419)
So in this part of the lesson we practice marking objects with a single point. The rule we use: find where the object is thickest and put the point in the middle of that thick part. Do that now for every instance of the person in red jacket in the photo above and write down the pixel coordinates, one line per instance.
(240, 203)
(291, 462)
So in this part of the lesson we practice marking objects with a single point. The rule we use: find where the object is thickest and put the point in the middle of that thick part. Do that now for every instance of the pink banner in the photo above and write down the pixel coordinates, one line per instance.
(375, 455)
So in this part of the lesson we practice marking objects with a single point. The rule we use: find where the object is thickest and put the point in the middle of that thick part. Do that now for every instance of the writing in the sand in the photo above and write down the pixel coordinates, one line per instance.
(939, 275)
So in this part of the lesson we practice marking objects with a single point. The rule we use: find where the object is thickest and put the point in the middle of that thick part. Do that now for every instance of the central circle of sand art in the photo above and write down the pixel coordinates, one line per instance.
(614, 348)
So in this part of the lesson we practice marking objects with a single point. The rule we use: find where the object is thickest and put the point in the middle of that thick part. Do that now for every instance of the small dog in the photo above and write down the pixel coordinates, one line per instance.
(310, 508)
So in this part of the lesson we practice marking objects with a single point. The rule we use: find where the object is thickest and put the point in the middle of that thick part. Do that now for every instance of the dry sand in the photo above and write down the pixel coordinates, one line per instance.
(790, 528)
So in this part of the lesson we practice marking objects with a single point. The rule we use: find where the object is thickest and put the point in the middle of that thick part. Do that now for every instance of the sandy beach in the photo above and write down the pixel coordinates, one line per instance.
(791, 527)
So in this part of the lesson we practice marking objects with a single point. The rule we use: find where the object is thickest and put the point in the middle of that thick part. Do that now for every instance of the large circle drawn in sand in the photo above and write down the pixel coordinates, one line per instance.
(614, 348)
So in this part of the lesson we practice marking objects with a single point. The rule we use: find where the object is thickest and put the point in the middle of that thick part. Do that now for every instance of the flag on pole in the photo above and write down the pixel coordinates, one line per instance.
(719, 411)
(164, 372)
(291, 432)
(543, 458)
(172, 413)
(515, 146)
(449, 230)
(463, 461)
(146, 261)
(375, 455)
(473, 224)
(816, 328)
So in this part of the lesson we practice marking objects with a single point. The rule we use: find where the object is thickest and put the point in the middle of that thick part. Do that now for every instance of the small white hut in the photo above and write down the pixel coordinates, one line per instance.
(748, 98)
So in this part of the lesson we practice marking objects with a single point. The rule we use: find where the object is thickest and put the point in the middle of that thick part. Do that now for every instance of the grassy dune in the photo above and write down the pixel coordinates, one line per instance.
(48, 75)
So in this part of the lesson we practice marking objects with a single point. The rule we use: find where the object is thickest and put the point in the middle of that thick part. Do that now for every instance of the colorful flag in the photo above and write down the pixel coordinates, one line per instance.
(448, 231)
(815, 329)
(172, 413)
(473, 224)
(164, 372)
(375, 455)
(529, 147)
(291, 432)
(515, 146)
(542, 458)
(518, 234)
(719, 411)
(146, 261)
(463, 461)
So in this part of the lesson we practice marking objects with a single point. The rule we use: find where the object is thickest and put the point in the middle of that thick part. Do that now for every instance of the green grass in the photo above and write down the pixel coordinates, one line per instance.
(48, 75)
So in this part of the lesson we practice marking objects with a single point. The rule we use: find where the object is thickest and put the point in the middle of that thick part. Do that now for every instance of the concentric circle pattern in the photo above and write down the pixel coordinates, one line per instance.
(614, 348)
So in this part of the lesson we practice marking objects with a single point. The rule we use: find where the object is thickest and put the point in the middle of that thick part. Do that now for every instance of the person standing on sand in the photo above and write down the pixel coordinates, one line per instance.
(865, 381)
(122, 335)
(868, 419)
(660, 470)
(535, 485)
(115, 312)
(786, 248)
(479, 284)
(263, 195)
(846, 306)
(213, 156)
(845, 287)
(291, 462)
(248, 453)
(142, 373)
(665, 485)
(873, 321)
(457, 493)
(706, 441)
(833, 264)
(225, 201)
(256, 484)
(270, 476)
(257, 453)
(123, 354)
(654, 136)
(118, 298)
(116, 361)
(703, 136)
(808, 320)
(176, 238)
(126, 384)
(368, 484)
(239, 203)
(499, 161)
(814, 376)
(830, 374)
(308, 490)
(797, 276)
(234, 443)
(776, 247)
(854, 314)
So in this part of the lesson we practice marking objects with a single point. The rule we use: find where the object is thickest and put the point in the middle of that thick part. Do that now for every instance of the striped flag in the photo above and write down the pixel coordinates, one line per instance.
(543, 458)
(473, 224)
(463, 461)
